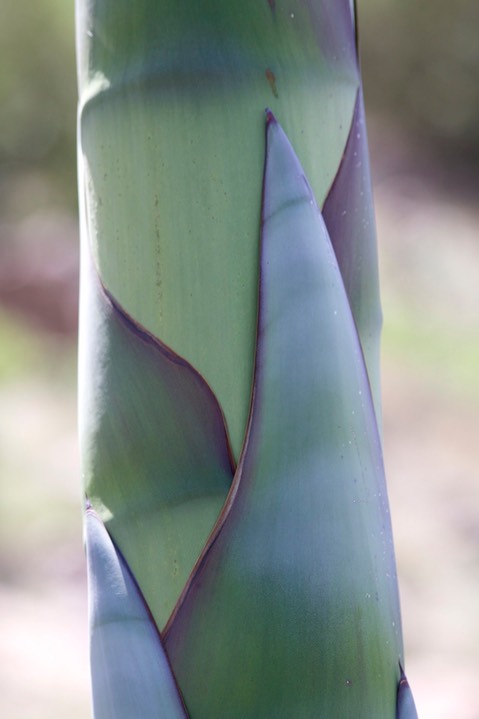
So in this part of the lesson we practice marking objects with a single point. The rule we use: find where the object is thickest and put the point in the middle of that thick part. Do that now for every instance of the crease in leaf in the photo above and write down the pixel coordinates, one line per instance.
(348, 212)
(131, 675)
(156, 459)
(292, 609)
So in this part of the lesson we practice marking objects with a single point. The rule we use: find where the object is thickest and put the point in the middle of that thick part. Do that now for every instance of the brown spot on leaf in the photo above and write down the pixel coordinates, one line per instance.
(270, 76)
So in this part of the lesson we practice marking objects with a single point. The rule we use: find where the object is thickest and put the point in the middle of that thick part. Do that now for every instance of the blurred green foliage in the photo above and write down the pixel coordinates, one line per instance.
(421, 70)
(37, 106)
(420, 342)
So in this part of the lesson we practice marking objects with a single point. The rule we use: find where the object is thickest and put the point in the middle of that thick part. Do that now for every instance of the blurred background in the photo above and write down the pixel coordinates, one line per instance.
(421, 76)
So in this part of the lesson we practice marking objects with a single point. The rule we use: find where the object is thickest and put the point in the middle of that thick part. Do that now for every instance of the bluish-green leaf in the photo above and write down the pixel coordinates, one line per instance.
(131, 676)
(406, 708)
(293, 609)
(156, 462)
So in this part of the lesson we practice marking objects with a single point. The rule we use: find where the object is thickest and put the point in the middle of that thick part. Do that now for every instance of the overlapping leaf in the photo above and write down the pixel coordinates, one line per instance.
(293, 609)
(131, 676)
(406, 708)
(171, 137)
(156, 462)
(349, 216)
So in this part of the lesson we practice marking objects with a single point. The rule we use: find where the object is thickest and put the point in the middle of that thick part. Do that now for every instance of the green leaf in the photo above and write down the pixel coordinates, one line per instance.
(293, 608)
(171, 143)
(131, 676)
(156, 459)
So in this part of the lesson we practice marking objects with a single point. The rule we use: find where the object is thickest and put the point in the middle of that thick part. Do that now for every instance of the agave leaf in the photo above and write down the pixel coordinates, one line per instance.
(131, 676)
(171, 97)
(156, 463)
(335, 25)
(293, 608)
(349, 216)
(406, 708)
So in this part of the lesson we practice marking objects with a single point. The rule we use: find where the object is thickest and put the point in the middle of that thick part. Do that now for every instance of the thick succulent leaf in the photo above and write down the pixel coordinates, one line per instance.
(131, 676)
(406, 708)
(155, 454)
(293, 609)
(336, 28)
(349, 216)
(172, 96)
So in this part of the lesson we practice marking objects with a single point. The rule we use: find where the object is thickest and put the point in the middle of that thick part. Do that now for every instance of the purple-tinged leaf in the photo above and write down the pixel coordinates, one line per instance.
(349, 216)
(335, 26)
(406, 708)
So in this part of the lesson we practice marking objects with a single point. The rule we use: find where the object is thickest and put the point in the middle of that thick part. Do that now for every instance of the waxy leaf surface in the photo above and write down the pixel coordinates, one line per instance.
(406, 707)
(349, 216)
(293, 609)
(131, 676)
(156, 463)
(171, 138)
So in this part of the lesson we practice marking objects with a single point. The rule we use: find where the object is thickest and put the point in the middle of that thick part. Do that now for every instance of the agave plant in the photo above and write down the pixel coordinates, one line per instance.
(238, 535)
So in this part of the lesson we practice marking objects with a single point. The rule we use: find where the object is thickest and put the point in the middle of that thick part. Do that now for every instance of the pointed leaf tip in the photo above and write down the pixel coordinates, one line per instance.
(131, 675)
(304, 543)
(270, 118)
(406, 708)
(284, 181)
